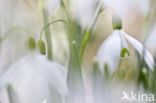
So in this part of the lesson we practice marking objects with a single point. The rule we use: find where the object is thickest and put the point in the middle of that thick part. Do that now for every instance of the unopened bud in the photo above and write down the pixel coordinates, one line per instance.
(31, 43)
(117, 22)
(42, 47)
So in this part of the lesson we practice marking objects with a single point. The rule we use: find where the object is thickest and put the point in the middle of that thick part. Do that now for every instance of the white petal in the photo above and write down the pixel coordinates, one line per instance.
(139, 47)
(124, 44)
(35, 78)
(109, 52)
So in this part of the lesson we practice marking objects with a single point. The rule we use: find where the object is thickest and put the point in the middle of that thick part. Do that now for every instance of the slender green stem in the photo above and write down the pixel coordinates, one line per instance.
(75, 77)
(52, 22)
(86, 37)
(47, 34)
(88, 31)
(65, 9)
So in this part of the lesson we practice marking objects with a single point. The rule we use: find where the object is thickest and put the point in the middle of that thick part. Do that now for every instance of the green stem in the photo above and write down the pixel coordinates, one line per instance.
(65, 9)
(52, 22)
(47, 35)
(75, 78)
(86, 37)
(88, 31)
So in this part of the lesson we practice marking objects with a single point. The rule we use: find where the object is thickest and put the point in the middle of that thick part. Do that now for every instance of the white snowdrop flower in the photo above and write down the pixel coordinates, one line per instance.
(151, 42)
(52, 5)
(16, 24)
(84, 11)
(124, 7)
(35, 78)
(115, 46)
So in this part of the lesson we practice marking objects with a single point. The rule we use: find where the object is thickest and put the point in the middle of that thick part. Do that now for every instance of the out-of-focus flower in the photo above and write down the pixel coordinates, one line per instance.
(51, 5)
(35, 78)
(17, 23)
(115, 46)
(151, 42)
(124, 7)
(84, 11)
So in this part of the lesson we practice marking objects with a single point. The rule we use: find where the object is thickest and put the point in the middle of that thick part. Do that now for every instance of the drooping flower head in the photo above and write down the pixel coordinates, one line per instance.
(115, 47)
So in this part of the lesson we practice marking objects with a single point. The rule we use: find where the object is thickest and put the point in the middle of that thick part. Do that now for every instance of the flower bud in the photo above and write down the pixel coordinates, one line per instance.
(42, 47)
(31, 43)
(117, 22)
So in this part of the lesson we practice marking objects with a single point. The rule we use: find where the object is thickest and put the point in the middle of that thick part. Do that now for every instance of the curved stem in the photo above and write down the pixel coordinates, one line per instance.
(46, 26)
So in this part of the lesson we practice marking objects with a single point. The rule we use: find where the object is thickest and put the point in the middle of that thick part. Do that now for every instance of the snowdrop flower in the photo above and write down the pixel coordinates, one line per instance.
(35, 78)
(17, 22)
(115, 46)
(124, 7)
(151, 42)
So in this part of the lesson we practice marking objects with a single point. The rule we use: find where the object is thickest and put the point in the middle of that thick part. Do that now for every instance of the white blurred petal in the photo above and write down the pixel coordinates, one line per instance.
(139, 47)
(12, 48)
(34, 78)
(124, 7)
(51, 5)
(109, 52)
(123, 39)
(83, 11)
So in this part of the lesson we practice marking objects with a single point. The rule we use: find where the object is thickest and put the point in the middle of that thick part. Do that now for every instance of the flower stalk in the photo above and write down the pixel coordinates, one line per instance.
(74, 78)
(89, 30)
(47, 34)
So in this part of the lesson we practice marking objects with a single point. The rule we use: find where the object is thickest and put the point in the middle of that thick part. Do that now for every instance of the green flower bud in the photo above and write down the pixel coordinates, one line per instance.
(117, 22)
(31, 43)
(42, 47)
